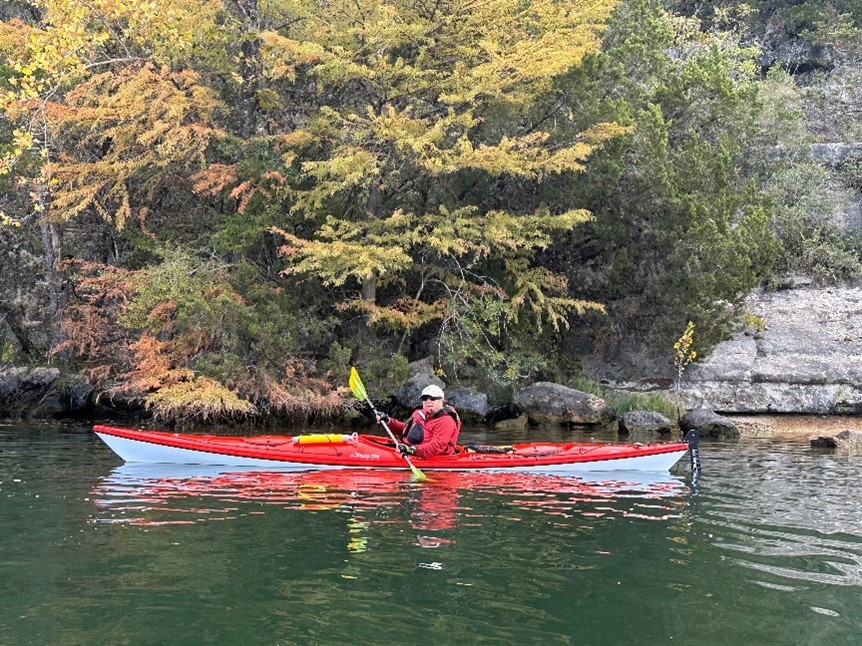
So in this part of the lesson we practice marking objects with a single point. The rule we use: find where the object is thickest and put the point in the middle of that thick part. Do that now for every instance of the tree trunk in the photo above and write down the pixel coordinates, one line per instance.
(52, 252)
(249, 69)
(369, 288)
(13, 321)
(369, 284)
(52, 248)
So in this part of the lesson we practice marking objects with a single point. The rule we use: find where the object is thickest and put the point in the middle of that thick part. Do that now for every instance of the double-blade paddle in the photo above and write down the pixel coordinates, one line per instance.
(358, 389)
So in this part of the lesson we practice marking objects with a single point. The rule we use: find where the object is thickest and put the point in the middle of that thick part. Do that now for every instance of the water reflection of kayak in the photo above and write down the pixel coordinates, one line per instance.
(143, 493)
(372, 452)
(329, 488)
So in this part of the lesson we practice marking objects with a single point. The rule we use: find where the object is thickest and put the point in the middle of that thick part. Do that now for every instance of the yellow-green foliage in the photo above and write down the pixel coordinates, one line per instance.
(755, 321)
(198, 399)
(683, 350)
(376, 136)
(412, 100)
(76, 41)
(153, 122)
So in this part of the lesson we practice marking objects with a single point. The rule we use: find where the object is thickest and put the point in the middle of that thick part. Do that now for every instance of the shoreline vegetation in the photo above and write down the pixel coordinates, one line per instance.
(210, 211)
(549, 408)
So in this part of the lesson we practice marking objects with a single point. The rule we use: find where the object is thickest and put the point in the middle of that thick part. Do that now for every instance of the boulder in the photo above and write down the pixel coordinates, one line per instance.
(77, 392)
(847, 441)
(547, 403)
(421, 374)
(513, 424)
(642, 421)
(69, 397)
(709, 424)
(8, 384)
(469, 404)
(38, 378)
(23, 390)
(50, 406)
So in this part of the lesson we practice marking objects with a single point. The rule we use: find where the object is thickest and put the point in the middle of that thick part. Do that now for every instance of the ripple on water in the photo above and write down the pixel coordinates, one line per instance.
(789, 515)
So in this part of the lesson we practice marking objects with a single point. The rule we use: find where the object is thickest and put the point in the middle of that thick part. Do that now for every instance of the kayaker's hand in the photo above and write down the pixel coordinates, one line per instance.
(406, 449)
(381, 416)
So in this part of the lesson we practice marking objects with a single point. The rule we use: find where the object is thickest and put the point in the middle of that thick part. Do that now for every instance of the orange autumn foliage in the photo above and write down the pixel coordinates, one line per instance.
(89, 328)
(105, 329)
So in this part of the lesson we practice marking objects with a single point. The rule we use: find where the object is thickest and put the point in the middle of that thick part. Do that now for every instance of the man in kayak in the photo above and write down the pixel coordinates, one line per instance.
(431, 430)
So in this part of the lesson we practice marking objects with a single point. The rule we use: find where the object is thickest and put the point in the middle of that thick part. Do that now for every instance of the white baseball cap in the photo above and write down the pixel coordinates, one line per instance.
(432, 391)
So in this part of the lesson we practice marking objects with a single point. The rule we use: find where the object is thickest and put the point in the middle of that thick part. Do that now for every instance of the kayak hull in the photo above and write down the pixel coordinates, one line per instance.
(373, 452)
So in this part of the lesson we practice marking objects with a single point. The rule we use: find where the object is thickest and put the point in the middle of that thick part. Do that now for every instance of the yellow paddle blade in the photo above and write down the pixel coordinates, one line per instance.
(356, 385)
(417, 474)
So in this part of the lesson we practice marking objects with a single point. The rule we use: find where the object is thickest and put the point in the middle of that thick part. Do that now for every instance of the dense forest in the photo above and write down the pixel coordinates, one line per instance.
(216, 207)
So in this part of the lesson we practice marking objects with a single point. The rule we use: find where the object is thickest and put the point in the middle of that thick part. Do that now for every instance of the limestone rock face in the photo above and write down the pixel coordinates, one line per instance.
(808, 359)
(833, 154)
(548, 403)
(779, 47)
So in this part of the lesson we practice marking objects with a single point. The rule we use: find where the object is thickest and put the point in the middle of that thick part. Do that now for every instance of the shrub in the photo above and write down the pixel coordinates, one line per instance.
(587, 385)
(754, 321)
(656, 402)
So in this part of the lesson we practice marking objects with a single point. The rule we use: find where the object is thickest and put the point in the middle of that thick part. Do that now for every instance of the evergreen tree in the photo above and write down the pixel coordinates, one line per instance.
(681, 230)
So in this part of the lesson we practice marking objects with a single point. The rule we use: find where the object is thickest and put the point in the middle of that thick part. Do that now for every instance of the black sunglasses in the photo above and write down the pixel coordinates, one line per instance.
(425, 398)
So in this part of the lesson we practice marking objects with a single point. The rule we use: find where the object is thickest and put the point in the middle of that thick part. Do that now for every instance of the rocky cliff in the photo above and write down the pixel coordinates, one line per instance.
(807, 359)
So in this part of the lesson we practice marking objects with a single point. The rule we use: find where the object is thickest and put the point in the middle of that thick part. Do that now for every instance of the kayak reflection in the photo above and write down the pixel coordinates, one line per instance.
(170, 494)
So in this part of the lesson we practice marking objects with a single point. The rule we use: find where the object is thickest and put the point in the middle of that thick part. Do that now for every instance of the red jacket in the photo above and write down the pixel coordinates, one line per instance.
(440, 431)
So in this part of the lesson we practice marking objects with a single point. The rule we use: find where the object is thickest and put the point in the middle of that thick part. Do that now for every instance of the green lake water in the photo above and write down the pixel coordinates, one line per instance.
(765, 547)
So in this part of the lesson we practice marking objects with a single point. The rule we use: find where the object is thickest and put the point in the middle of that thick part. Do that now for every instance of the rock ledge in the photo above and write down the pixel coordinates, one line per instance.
(808, 359)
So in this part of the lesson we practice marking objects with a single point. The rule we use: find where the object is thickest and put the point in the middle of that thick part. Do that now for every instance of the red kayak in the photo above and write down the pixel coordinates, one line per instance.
(330, 451)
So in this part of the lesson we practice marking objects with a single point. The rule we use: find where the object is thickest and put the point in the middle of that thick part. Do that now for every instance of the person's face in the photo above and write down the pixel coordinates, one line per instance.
(431, 405)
